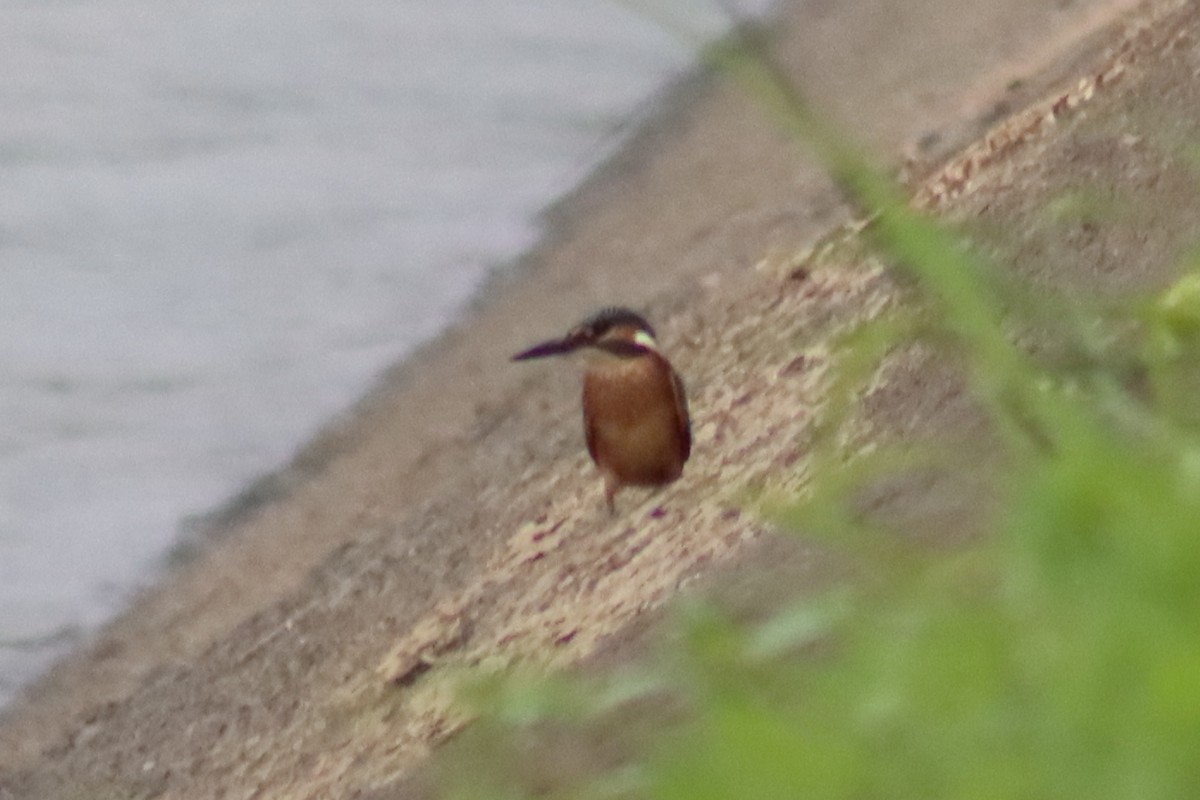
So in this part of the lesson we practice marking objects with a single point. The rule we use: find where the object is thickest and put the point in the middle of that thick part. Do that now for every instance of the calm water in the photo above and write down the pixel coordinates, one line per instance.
(219, 220)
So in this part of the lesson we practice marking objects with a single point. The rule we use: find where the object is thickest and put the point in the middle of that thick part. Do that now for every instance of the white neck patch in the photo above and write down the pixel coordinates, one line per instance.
(645, 340)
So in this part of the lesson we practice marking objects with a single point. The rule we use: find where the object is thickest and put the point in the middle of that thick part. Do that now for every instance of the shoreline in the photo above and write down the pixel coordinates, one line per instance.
(649, 124)
(335, 494)
(652, 125)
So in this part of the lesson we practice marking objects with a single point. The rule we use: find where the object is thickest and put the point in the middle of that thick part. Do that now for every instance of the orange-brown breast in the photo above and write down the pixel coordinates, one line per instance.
(635, 417)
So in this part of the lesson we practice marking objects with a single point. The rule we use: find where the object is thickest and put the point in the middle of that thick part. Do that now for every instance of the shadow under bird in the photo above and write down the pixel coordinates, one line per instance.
(635, 412)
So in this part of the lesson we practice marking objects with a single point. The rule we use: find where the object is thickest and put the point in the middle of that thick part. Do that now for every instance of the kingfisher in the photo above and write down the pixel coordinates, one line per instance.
(635, 415)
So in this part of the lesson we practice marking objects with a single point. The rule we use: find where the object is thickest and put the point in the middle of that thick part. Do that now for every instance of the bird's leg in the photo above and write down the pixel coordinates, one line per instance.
(610, 491)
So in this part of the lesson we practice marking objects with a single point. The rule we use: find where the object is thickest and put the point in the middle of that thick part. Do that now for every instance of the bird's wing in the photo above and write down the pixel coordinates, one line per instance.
(685, 421)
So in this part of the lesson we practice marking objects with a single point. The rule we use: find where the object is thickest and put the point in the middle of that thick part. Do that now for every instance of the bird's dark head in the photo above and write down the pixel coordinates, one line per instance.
(616, 331)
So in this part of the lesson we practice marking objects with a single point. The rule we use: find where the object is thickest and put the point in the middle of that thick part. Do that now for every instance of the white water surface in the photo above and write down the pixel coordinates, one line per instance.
(220, 220)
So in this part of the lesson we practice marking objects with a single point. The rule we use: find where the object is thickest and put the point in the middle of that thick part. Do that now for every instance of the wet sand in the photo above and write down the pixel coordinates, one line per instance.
(453, 514)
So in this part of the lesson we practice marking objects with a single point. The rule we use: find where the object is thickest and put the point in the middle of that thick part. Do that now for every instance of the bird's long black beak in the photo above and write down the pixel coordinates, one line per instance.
(554, 347)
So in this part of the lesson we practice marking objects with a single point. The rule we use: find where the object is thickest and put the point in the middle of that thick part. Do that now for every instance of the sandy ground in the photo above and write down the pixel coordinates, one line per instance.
(452, 521)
